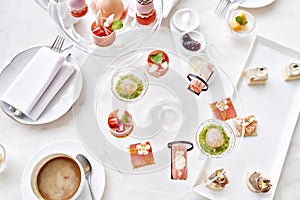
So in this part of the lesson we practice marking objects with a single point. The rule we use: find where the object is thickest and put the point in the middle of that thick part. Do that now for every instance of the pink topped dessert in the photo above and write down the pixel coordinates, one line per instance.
(110, 7)
(144, 8)
(78, 8)
(146, 13)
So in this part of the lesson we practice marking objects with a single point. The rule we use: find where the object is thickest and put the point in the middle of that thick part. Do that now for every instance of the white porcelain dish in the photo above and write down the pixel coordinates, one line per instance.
(186, 19)
(59, 105)
(255, 3)
(71, 148)
(276, 107)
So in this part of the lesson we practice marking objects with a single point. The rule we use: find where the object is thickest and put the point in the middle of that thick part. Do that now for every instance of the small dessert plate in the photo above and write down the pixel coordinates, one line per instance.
(243, 28)
(194, 36)
(62, 101)
(186, 19)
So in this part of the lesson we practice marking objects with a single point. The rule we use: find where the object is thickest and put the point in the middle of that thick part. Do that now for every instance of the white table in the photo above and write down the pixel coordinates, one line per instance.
(24, 24)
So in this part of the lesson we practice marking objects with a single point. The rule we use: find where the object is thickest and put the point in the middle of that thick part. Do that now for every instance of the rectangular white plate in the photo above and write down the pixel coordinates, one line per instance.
(276, 107)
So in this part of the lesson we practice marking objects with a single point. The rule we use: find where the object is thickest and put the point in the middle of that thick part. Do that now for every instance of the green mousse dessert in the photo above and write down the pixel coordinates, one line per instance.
(213, 139)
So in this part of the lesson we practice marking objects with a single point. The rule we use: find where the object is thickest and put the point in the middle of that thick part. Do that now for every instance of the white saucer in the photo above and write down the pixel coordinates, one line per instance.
(72, 148)
(59, 105)
(184, 16)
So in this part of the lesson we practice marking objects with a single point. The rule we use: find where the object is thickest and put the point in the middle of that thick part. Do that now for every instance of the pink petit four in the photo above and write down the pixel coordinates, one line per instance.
(146, 13)
(141, 154)
(223, 109)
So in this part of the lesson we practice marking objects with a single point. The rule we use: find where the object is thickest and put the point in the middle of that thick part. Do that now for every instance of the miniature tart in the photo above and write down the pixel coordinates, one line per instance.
(120, 123)
(250, 124)
(258, 184)
(291, 72)
(258, 75)
(158, 63)
(217, 180)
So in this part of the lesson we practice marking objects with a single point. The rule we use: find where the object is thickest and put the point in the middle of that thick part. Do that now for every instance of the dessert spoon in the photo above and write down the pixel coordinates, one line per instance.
(87, 167)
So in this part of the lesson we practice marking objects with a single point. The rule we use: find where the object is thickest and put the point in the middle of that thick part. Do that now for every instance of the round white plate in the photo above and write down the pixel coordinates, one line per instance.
(72, 148)
(59, 105)
(255, 3)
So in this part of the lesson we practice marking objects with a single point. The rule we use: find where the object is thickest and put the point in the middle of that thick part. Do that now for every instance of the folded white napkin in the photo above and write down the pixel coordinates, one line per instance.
(167, 7)
(66, 70)
(30, 85)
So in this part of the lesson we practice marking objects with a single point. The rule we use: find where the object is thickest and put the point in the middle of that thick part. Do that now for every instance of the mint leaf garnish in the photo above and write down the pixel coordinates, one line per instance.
(116, 25)
(239, 19)
(124, 118)
(158, 58)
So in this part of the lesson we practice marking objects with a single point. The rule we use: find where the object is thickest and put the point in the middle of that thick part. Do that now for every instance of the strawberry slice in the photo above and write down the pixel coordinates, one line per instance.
(113, 122)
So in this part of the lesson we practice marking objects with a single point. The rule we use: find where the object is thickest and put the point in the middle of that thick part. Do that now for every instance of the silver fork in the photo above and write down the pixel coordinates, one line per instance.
(58, 43)
(221, 7)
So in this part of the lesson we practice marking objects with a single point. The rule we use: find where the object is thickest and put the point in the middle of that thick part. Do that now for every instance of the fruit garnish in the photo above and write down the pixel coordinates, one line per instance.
(116, 25)
(124, 118)
(157, 58)
(113, 122)
(239, 19)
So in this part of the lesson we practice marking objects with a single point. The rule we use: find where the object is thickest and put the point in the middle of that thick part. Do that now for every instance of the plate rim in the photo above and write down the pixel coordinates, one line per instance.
(76, 94)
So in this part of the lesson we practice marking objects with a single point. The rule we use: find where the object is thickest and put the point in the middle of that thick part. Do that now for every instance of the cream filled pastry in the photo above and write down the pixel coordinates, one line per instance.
(258, 184)
(217, 180)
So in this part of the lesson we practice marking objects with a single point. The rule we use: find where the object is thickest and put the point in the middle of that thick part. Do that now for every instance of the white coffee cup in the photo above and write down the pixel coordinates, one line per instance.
(57, 176)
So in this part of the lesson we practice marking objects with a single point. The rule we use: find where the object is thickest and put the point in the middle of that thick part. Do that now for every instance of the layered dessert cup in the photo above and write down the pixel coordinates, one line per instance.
(145, 12)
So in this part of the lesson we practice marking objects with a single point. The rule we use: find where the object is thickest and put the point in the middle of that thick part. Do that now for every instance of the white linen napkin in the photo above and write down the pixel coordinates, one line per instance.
(25, 91)
(167, 7)
(65, 72)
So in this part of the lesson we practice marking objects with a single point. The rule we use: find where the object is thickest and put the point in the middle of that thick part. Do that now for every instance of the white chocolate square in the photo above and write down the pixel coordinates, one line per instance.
(291, 71)
(258, 75)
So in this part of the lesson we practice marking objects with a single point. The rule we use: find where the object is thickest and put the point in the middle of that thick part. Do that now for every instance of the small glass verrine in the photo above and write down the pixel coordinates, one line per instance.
(129, 84)
(215, 138)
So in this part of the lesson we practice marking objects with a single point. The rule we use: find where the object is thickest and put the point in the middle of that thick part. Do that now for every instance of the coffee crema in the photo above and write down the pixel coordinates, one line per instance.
(59, 178)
